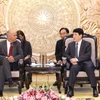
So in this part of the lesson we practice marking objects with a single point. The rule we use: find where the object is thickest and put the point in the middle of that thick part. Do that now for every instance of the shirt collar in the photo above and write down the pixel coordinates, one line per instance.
(8, 42)
(79, 42)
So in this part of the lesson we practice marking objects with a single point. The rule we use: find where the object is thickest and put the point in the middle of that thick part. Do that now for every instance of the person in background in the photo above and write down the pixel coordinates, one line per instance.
(78, 54)
(27, 49)
(10, 53)
(60, 48)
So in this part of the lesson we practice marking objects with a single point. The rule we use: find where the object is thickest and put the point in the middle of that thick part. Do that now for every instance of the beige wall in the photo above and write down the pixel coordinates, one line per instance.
(41, 19)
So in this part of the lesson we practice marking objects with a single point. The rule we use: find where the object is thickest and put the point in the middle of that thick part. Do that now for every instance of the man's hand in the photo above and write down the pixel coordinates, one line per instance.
(11, 59)
(73, 61)
(28, 56)
(59, 62)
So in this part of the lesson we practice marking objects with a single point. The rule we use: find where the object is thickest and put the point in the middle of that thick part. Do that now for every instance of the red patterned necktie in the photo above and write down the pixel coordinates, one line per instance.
(10, 50)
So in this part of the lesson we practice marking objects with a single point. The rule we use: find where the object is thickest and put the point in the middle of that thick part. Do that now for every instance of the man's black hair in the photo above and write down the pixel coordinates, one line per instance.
(79, 31)
(67, 30)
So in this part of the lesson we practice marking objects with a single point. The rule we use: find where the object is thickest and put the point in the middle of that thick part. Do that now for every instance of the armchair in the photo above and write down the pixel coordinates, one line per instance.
(82, 77)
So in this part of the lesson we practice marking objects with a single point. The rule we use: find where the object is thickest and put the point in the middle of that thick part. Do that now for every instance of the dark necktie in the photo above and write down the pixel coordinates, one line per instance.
(10, 50)
(76, 50)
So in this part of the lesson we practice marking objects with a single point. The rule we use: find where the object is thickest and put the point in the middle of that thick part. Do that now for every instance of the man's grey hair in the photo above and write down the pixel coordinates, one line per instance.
(8, 32)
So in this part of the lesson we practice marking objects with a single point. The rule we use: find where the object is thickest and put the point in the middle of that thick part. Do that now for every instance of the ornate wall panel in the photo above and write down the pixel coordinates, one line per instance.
(41, 19)
(90, 18)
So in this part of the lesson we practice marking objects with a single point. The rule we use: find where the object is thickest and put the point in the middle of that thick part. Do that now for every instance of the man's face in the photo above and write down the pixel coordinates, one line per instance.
(12, 36)
(77, 37)
(63, 33)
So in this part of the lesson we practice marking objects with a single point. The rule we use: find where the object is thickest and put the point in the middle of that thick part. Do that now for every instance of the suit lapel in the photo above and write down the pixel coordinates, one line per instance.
(14, 49)
(81, 47)
(73, 48)
(5, 47)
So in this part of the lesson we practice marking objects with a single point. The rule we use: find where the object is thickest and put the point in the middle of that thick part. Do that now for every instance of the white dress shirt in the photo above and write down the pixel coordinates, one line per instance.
(8, 47)
(79, 45)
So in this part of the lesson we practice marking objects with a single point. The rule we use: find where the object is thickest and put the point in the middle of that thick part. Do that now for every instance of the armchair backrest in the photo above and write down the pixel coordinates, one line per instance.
(89, 38)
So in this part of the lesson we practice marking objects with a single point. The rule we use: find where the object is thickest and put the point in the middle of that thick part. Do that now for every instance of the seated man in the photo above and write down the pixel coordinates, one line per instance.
(10, 53)
(59, 49)
(78, 54)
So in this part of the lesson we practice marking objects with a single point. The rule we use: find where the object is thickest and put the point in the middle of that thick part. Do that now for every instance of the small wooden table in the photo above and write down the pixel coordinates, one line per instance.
(43, 70)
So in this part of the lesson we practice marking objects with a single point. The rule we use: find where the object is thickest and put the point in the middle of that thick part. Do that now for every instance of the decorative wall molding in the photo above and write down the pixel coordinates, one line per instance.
(41, 20)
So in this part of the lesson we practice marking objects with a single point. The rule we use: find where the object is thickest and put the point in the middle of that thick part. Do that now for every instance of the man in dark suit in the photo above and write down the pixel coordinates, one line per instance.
(78, 54)
(10, 53)
(59, 49)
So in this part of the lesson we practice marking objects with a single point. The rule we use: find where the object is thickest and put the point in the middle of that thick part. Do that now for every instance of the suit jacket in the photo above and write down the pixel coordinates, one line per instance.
(17, 53)
(84, 53)
(59, 49)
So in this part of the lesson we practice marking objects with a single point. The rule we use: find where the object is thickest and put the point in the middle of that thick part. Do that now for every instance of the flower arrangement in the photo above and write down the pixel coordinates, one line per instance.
(41, 93)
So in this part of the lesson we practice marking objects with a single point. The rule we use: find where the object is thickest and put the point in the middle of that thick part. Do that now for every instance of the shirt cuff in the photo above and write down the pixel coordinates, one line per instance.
(76, 59)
